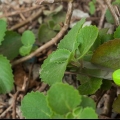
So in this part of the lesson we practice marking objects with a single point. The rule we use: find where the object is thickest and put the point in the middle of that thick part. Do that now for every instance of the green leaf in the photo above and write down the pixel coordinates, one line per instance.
(86, 38)
(28, 38)
(61, 55)
(11, 45)
(108, 54)
(56, 63)
(88, 85)
(3, 26)
(69, 42)
(92, 7)
(116, 105)
(45, 33)
(53, 72)
(6, 76)
(25, 50)
(87, 102)
(117, 32)
(65, 100)
(88, 113)
(59, 17)
(34, 106)
(109, 16)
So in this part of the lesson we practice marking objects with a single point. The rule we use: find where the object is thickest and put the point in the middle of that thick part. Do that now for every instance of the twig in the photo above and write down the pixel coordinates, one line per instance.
(20, 11)
(42, 87)
(102, 17)
(54, 40)
(14, 105)
(27, 20)
(3, 114)
(50, 1)
(116, 19)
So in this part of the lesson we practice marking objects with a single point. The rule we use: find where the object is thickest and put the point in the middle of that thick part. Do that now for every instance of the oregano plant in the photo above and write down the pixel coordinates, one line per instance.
(91, 54)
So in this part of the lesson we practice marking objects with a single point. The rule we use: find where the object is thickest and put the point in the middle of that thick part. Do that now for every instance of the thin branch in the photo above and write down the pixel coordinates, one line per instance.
(116, 19)
(102, 17)
(27, 20)
(54, 40)
(19, 11)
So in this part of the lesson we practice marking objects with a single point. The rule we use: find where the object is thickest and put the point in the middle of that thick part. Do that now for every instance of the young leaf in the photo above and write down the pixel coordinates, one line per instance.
(25, 50)
(92, 7)
(11, 45)
(34, 106)
(117, 32)
(65, 100)
(108, 54)
(88, 113)
(86, 38)
(6, 76)
(69, 42)
(88, 85)
(45, 33)
(116, 105)
(3, 26)
(53, 72)
(28, 38)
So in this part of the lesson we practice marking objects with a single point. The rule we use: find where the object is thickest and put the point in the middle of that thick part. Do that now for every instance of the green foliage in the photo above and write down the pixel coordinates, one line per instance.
(86, 38)
(58, 62)
(107, 54)
(117, 32)
(11, 45)
(69, 42)
(61, 101)
(67, 97)
(45, 33)
(88, 85)
(51, 26)
(92, 7)
(109, 17)
(116, 104)
(6, 76)
(116, 77)
(27, 40)
(3, 29)
(34, 106)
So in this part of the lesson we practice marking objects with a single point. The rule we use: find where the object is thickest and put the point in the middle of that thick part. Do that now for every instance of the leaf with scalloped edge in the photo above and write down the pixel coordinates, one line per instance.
(25, 50)
(108, 54)
(69, 42)
(89, 85)
(28, 38)
(34, 106)
(53, 72)
(3, 29)
(86, 37)
(6, 76)
(88, 113)
(55, 64)
(62, 98)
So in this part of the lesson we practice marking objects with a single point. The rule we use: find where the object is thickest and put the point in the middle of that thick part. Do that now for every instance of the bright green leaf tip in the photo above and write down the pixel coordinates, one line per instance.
(116, 77)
